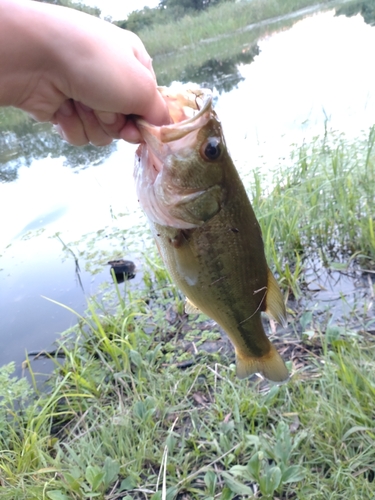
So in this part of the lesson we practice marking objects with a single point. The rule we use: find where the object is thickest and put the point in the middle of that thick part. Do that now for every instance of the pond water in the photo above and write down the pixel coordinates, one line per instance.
(294, 84)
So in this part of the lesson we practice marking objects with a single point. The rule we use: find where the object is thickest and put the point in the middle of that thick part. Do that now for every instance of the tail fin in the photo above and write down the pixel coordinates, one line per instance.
(271, 366)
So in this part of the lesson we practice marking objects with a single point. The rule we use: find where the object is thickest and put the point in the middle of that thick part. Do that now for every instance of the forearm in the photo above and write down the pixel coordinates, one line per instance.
(38, 43)
(23, 52)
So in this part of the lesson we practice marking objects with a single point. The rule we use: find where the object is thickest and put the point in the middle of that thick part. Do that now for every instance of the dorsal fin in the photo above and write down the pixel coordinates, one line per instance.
(275, 306)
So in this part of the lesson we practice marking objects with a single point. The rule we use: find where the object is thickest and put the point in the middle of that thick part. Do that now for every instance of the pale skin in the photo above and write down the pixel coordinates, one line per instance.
(84, 75)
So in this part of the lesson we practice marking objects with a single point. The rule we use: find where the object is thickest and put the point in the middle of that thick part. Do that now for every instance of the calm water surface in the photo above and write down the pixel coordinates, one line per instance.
(315, 75)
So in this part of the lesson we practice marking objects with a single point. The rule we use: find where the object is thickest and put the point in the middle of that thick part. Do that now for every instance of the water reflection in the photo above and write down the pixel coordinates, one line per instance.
(220, 73)
(215, 62)
(30, 141)
(364, 7)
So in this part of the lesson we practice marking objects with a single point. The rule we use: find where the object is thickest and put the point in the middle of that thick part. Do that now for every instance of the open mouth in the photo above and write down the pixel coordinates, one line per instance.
(189, 112)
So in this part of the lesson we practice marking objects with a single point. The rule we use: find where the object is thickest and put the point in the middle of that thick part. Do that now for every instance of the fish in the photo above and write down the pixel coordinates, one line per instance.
(206, 230)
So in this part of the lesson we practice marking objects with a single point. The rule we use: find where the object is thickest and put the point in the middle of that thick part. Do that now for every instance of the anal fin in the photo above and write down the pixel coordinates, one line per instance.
(190, 308)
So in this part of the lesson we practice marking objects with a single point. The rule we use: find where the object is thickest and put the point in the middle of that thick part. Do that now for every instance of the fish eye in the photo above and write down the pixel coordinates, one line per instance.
(211, 149)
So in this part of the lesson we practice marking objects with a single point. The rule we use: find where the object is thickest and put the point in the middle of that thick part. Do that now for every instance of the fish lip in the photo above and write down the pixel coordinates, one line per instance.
(152, 134)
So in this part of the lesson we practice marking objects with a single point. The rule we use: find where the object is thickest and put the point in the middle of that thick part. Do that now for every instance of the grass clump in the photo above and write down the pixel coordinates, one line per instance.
(125, 416)
(184, 49)
(221, 19)
(321, 206)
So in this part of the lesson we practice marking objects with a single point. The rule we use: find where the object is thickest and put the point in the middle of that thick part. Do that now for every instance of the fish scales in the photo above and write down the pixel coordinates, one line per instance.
(226, 284)
(206, 230)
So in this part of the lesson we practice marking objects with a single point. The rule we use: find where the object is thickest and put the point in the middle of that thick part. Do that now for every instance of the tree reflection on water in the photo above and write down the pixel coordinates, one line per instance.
(364, 7)
(28, 141)
(24, 141)
(219, 73)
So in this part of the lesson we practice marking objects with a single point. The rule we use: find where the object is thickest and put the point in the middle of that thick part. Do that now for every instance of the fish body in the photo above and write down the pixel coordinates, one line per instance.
(206, 230)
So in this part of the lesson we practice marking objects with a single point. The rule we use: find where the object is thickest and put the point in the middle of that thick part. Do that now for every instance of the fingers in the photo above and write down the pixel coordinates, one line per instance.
(69, 125)
(111, 123)
(80, 125)
(142, 55)
(130, 133)
(94, 116)
(100, 127)
(157, 112)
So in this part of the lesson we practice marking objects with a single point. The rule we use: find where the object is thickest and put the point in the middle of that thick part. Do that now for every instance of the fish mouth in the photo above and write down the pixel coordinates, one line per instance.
(159, 190)
(189, 110)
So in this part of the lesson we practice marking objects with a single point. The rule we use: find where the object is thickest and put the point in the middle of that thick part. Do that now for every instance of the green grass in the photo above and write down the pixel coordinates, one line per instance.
(11, 118)
(218, 34)
(122, 419)
(185, 48)
(222, 19)
(321, 205)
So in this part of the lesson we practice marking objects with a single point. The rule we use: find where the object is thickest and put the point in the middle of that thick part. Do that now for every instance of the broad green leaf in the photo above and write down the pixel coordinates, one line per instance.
(238, 470)
(305, 319)
(111, 469)
(171, 442)
(236, 486)
(94, 476)
(128, 484)
(270, 481)
(293, 474)
(226, 494)
(171, 492)
(252, 440)
(210, 480)
(283, 446)
(273, 392)
(136, 358)
(333, 332)
(57, 495)
(73, 482)
(253, 466)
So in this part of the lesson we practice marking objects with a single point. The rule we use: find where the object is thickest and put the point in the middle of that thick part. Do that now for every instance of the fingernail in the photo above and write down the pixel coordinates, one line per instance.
(66, 108)
(107, 118)
(58, 130)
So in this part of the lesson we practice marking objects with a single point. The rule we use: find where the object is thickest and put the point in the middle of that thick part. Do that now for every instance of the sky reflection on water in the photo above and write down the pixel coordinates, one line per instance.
(318, 71)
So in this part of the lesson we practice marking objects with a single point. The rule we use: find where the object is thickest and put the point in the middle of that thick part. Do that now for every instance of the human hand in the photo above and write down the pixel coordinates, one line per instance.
(86, 76)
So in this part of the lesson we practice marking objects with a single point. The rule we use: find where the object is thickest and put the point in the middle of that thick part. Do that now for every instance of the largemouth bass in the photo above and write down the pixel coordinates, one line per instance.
(206, 230)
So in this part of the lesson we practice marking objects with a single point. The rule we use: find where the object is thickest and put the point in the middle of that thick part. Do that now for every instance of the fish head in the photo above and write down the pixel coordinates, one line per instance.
(180, 167)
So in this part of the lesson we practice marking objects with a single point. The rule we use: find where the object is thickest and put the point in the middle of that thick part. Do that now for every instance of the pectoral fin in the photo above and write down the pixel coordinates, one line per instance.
(275, 306)
(271, 365)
